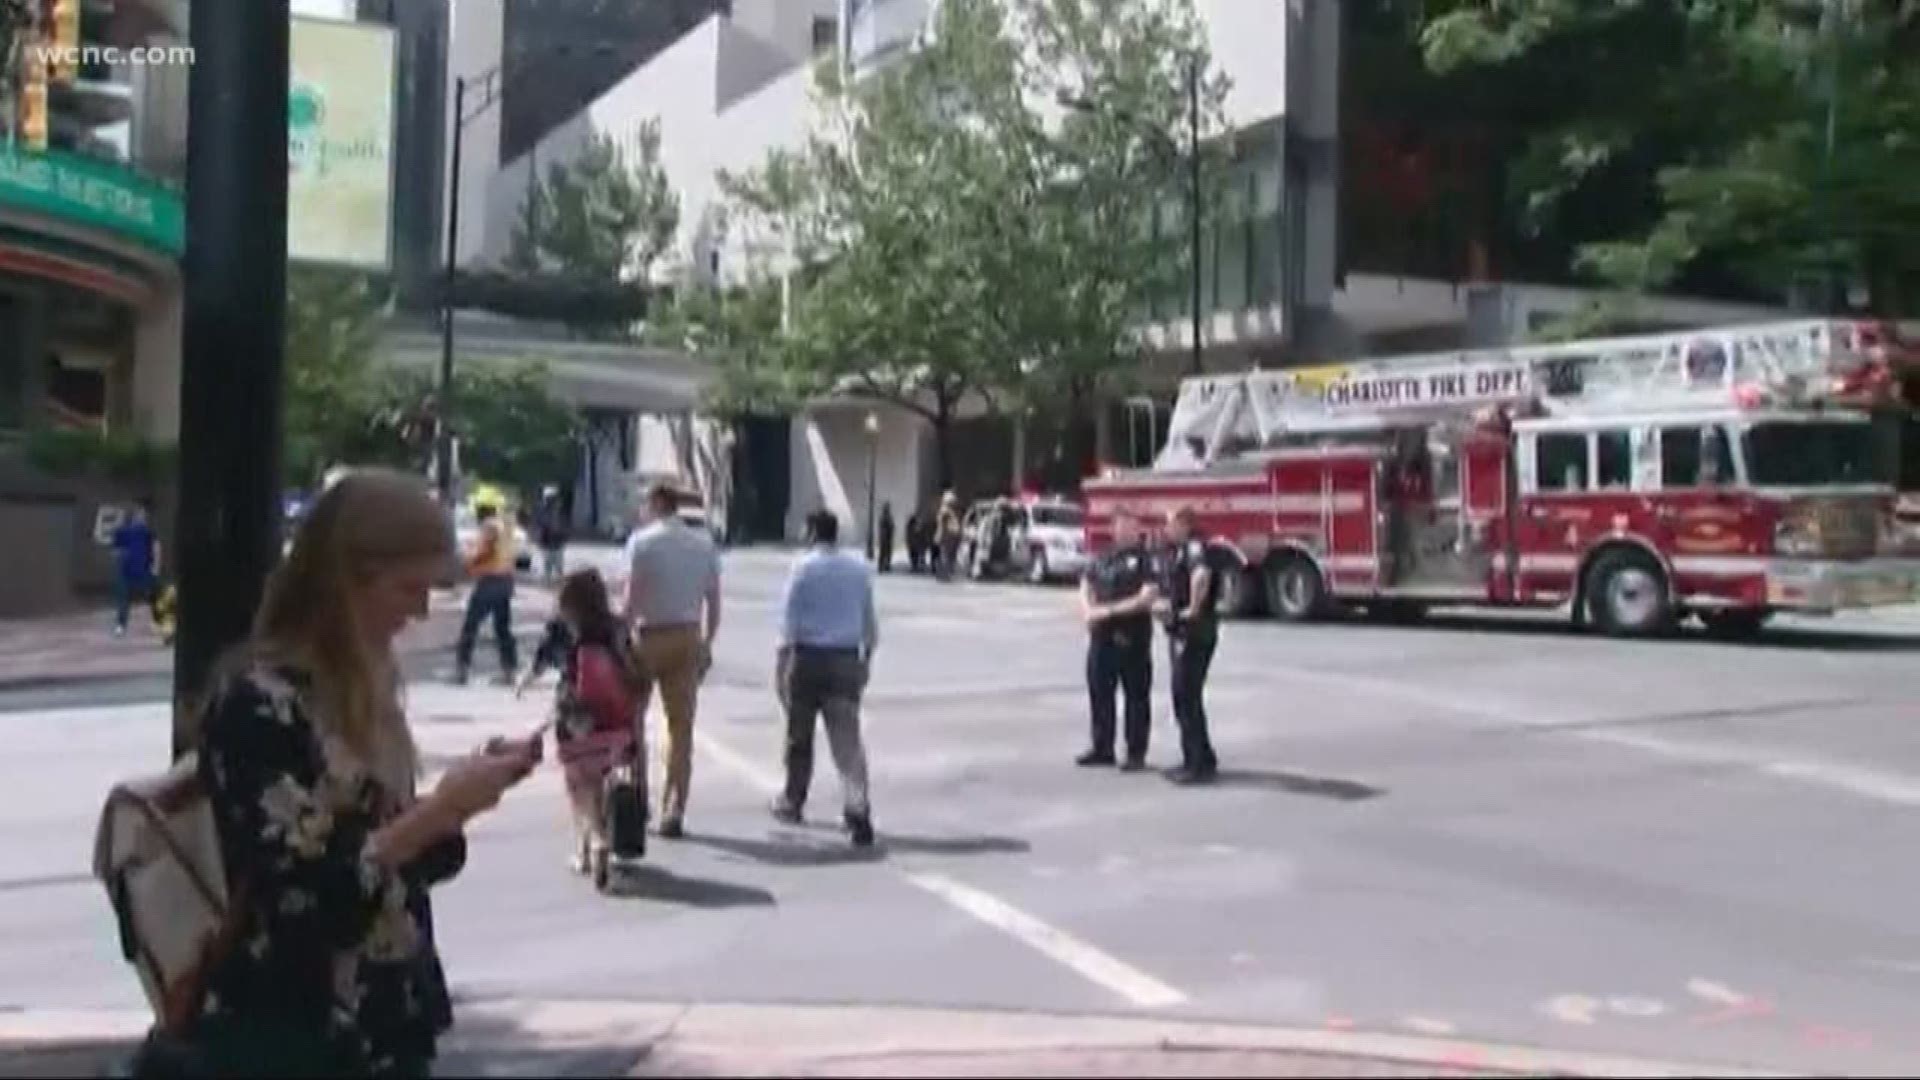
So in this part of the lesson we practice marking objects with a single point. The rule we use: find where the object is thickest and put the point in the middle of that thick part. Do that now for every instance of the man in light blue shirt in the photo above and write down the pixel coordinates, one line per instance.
(828, 634)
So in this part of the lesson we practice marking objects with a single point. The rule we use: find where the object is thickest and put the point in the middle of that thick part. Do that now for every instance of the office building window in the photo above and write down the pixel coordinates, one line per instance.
(826, 35)
(1267, 225)
(1233, 239)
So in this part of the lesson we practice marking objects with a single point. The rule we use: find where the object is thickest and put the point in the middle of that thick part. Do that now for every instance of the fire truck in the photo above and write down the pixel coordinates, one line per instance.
(1725, 474)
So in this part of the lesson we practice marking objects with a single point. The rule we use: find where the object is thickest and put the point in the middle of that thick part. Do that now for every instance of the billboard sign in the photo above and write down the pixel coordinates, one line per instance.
(340, 124)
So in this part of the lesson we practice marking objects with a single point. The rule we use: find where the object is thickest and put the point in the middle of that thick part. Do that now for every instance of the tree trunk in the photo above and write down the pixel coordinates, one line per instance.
(1885, 299)
(942, 421)
(1076, 439)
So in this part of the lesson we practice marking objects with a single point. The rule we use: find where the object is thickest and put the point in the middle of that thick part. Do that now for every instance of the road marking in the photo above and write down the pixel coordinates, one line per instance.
(1860, 782)
(1867, 783)
(1428, 1026)
(1871, 784)
(1086, 960)
(1098, 967)
(1732, 1004)
(1898, 967)
(1572, 1008)
(1637, 1007)
(739, 764)
(1828, 1036)
(1708, 990)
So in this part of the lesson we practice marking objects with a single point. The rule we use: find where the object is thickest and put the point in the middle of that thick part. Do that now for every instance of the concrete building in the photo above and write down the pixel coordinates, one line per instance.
(92, 227)
(740, 84)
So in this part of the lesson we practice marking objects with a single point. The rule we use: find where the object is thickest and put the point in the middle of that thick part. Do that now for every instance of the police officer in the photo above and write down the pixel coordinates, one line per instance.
(1191, 591)
(1117, 595)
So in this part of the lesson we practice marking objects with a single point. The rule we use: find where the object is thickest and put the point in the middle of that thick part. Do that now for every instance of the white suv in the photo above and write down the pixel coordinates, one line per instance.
(1050, 540)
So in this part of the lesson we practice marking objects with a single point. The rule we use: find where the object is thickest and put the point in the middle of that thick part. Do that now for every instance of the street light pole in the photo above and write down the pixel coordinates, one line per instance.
(873, 476)
(443, 402)
(492, 83)
(1195, 207)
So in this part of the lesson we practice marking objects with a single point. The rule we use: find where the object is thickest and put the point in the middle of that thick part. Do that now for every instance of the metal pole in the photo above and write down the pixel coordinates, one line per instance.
(1195, 206)
(233, 342)
(873, 473)
(1835, 292)
(443, 407)
(533, 193)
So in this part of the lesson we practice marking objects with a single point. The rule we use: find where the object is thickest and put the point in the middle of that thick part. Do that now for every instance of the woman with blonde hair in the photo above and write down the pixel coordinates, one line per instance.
(311, 770)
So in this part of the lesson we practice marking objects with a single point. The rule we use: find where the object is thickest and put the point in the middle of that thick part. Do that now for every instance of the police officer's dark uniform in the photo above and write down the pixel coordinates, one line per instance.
(1120, 654)
(1190, 652)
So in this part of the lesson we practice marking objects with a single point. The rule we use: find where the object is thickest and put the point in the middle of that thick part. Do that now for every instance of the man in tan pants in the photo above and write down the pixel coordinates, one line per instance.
(673, 605)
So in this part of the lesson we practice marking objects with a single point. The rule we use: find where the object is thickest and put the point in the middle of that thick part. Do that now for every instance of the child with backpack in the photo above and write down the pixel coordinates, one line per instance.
(596, 706)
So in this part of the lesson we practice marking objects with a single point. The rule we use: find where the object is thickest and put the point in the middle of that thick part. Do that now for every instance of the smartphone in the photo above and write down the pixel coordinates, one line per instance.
(535, 742)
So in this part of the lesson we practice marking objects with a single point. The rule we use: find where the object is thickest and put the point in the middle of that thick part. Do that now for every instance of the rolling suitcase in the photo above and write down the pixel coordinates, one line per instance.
(624, 801)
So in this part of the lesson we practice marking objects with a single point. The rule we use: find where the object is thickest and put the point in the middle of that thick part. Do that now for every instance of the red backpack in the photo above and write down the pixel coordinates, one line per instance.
(602, 687)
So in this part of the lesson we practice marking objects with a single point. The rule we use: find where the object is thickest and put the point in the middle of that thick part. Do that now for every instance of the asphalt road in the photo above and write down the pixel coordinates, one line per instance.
(1484, 827)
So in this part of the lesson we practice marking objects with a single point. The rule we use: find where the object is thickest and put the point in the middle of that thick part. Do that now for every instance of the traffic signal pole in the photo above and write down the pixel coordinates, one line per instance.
(227, 528)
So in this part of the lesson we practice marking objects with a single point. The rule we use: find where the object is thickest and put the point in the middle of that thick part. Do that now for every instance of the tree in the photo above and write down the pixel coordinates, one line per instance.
(954, 245)
(338, 406)
(1773, 138)
(1110, 208)
(603, 218)
(738, 331)
(512, 429)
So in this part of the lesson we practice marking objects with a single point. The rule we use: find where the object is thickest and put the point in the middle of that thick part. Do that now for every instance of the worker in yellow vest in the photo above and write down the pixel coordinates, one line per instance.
(490, 564)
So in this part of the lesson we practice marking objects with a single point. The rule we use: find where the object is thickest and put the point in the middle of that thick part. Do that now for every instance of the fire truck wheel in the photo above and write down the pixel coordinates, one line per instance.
(1295, 592)
(1628, 595)
(1239, 593)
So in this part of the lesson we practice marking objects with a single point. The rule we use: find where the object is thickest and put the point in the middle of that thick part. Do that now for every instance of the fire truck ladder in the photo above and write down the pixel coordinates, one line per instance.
(1678, 370)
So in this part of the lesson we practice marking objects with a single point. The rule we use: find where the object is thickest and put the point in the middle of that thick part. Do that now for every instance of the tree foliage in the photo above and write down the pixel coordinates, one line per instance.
(338, 406)
(604, 217)
(1775, 138)
(343, 407)
(738, 330)
(512, 428)
(957, 240)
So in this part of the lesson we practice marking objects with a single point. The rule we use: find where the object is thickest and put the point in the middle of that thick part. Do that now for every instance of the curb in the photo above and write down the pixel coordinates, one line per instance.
(126, 676)
(769, 1040)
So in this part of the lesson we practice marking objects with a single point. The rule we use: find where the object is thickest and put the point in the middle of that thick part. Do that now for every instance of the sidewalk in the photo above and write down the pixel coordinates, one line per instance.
(81, 647)
(523, 1038)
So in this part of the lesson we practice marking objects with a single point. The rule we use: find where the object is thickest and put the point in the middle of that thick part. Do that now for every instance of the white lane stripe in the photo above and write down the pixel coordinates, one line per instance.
(1089, 962)
(1429, 1026)
(1839, 776)
(1848, 779)
(1884, 787)
(1122, 978)
(1867, 783)
(737, 763)
(1708, 990)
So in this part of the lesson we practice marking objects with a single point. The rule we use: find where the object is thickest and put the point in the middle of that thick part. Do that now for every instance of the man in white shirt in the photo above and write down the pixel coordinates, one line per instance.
(828, 634)
(673, 606)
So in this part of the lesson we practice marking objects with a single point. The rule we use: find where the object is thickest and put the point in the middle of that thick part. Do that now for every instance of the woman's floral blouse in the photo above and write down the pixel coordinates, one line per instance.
(334, 944)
